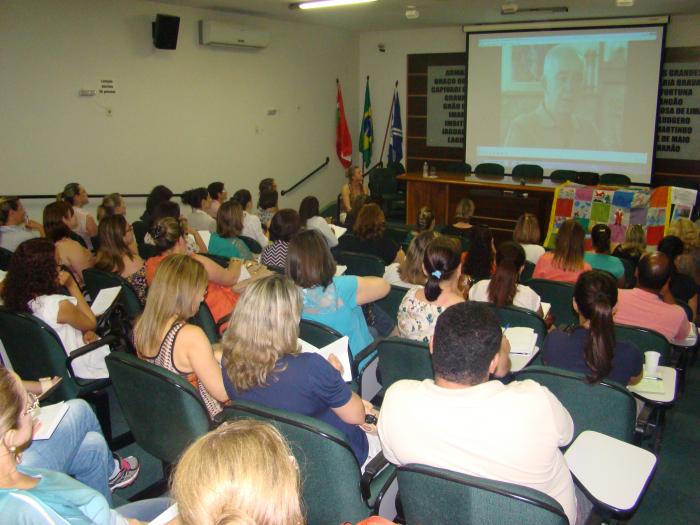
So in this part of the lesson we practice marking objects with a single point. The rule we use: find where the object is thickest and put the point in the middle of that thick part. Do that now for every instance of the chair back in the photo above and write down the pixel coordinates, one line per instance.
(140, 230)
(398, 232)
(390, 303)
(146, 251)
(615, 179)
(644, 339)
(35, 350)
(396, 168)
(489, 168)
(382, 181)
(630, 278)
(516, 316)
(560, 296)
(459, 167)
(527, 272)
(433, 495)
(206, 322)
(330, 210)
(5, 256)
(362, 264)
(328, 467)
(400, 358)
(96, 280)
(317, 334)
(606, 407)
(531, 172)
(162, 409)
(588, 178)
(252, 244)
(218, 259)
(562, 175)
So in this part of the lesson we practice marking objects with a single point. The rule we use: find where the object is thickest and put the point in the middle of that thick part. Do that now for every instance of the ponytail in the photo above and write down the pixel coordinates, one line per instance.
(441, 260)
(510, 258)
(595, 294)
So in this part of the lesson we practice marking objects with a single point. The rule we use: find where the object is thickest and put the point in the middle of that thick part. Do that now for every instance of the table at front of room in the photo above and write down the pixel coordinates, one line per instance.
(499, 201)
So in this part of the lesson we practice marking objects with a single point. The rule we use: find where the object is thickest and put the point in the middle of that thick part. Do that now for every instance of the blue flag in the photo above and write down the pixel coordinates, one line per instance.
(396, 144)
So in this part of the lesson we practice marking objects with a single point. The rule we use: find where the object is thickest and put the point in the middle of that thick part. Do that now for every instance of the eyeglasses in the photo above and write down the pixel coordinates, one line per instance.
(32, 404)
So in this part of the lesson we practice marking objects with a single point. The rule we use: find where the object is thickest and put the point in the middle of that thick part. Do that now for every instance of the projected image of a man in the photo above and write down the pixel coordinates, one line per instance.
(554, 123)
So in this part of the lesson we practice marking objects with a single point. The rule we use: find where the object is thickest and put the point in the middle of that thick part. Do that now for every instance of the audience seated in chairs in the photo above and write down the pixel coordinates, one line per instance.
(425, 221)
(163, 337)
(194, 241)
(462, 226)
(410, 272)
(32, 494)
(283, 226)
(262, 363)
(199, 200)
(479, 262)
(59, 220)
(528, 234)
(503, 289)
(335, 301)
(681, 287)
(567, 261)
(33, 286)
(118, 254)
(76, 196)
(15, 227)
(643, 305)
(168, 235)
(218, 195)
(309, 215)
(369, 236)
(224, 242)
(591, 348)
(600, 258)
(464, 422)
(421, 307)
(251, 223)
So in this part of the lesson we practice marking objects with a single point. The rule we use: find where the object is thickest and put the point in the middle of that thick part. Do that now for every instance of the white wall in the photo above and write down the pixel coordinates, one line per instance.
(182, 118)
(386, 68)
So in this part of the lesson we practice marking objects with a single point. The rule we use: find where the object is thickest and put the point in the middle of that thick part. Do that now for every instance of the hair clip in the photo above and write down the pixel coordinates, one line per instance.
(437, 274)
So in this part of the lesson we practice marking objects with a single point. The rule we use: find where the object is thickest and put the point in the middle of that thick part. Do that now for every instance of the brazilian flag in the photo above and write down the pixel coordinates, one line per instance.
(366, 133)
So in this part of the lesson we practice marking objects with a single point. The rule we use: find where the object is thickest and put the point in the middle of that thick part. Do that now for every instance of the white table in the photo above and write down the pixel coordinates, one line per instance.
(668, 377)
(689, 341)
(520, 361)
(613, 472)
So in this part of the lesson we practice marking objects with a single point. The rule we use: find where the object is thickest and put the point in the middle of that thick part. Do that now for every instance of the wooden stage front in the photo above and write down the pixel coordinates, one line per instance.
(498, 201)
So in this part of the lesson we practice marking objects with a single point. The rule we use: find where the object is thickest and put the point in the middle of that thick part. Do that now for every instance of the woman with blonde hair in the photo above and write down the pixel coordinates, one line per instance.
(225, 242)
(567, 261)
(118, 254)
(527, 233)
(634, 245)
(163, 337)
(462, 226)
(352, 188)
(112, 204)
(410, 272)
(59, 219)
(262, 363)
(243, 472)
(687, 232)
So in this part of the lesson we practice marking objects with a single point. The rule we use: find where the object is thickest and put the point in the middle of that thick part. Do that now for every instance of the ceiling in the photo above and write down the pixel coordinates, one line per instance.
(390, 14)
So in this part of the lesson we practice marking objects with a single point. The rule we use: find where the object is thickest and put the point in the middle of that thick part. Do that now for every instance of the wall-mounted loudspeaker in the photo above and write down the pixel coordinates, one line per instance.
(165, 30)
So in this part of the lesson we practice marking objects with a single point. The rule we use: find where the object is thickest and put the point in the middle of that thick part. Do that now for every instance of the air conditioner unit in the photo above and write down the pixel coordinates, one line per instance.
(213, 33)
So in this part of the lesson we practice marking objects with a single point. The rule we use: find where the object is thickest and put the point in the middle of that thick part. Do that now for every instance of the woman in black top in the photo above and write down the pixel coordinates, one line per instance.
(369, 236)
(480, 260)
(462, 226)
(681, 286)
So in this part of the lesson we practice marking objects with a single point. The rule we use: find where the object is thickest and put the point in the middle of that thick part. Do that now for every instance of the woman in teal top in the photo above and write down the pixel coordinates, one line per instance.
(229, 225)
(333, 301)
(601, 259)
(34, 496)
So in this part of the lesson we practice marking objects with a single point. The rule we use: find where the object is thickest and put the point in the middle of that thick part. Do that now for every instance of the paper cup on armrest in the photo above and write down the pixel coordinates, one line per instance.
(651, 362)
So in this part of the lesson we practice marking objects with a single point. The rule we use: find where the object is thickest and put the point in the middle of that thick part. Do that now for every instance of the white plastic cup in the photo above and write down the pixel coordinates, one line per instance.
(651, 362)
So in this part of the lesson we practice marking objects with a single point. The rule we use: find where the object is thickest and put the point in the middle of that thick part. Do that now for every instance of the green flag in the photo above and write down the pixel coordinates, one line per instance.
(366, 133)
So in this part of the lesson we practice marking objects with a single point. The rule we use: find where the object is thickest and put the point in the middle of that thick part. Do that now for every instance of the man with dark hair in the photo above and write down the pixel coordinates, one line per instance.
(464, 422)
(644, 305)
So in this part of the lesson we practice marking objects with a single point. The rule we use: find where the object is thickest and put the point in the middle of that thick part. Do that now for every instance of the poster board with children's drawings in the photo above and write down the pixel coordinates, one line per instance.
(619, 207)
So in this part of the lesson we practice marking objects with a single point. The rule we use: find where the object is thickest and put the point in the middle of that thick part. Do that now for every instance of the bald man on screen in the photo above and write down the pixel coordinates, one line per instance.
(553, 124)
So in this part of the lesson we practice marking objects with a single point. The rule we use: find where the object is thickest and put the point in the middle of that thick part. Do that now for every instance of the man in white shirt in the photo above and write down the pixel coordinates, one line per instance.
(464, 422)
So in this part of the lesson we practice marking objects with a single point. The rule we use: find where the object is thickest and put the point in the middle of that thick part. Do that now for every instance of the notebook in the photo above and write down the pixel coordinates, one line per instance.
(205, 235)
(338, 348)
(49, 416)
(649, 386)
(338, 230)
(546, 307)
(104, 300)
(340, 269)
(522, 339)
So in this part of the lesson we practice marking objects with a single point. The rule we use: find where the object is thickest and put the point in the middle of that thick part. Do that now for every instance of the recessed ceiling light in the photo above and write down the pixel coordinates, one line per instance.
(326, 3)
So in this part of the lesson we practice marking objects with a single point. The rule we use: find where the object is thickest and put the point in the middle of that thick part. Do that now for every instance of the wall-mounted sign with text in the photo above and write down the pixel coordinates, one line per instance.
(678, 125)
(446, 89)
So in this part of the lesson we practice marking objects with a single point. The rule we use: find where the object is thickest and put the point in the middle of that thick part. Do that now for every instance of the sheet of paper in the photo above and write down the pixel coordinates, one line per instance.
(245, 274)
(649, 386)
(104, 300)
(165, 516)
(50, 416)
(205, 235)
(522, 339)
(338, 348)
(338, 230)
(3, 273)
(340, 269)
(545, 308)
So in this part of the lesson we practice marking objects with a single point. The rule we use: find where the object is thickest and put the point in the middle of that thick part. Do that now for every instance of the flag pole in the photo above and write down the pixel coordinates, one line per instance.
(391, 114)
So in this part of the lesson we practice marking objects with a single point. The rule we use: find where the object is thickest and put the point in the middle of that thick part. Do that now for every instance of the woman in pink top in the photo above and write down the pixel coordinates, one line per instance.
(566, 262)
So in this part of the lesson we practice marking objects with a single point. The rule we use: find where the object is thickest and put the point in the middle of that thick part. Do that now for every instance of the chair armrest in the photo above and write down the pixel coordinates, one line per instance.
(361, 356)
(221, 322)
(86, 349)
(372, 470)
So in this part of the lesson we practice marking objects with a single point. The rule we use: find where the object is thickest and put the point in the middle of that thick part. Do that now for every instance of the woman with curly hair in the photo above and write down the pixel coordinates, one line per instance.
(32, 286)
(369, 236)
(59, 220)
(118, 254)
